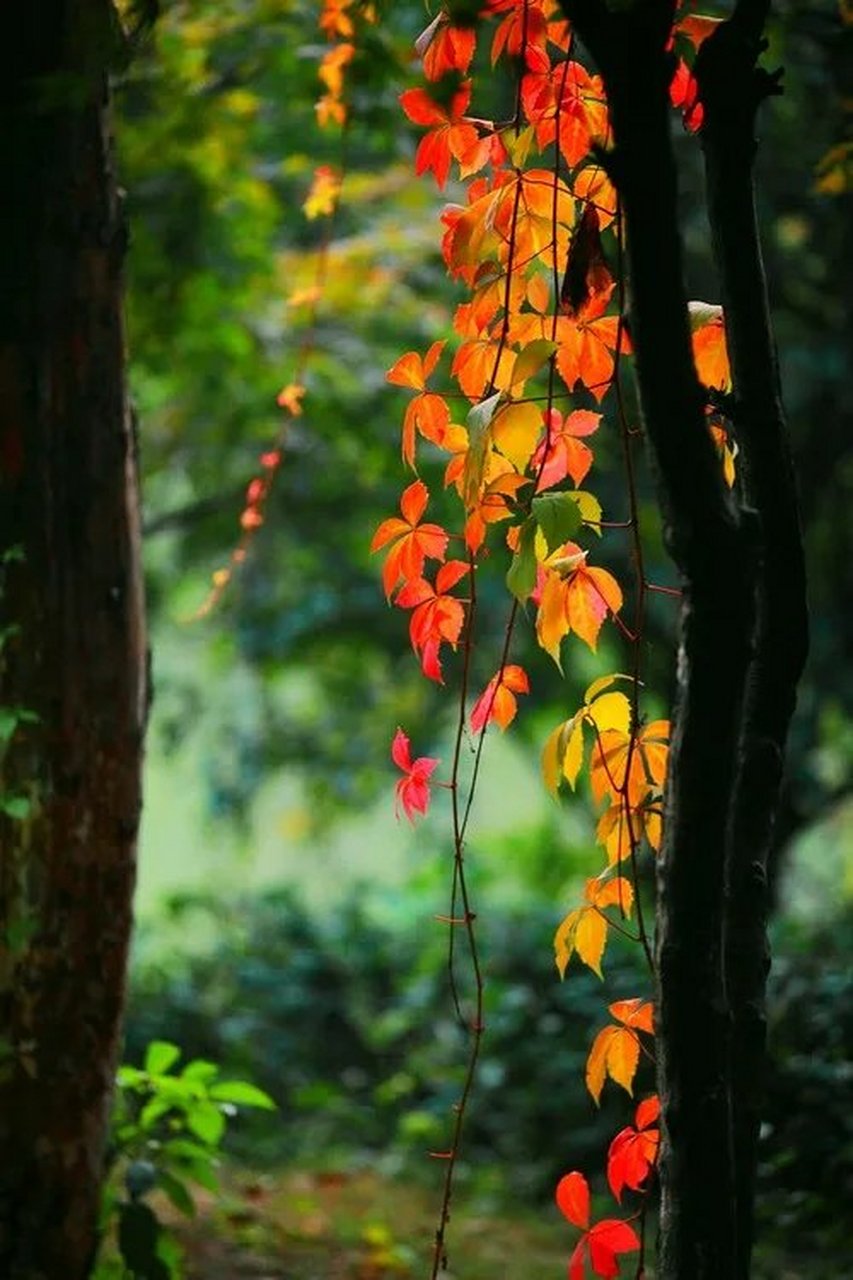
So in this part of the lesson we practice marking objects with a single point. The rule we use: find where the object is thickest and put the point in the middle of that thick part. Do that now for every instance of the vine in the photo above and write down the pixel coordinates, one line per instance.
(534, 367)
(538, 347)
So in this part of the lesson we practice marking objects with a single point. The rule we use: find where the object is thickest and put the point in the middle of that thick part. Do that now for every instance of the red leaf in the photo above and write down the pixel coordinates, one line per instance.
(605, 1240)
(412, 790)
(572, 1197)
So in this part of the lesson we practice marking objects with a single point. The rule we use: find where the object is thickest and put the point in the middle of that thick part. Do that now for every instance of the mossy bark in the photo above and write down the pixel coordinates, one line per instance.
(73, 655)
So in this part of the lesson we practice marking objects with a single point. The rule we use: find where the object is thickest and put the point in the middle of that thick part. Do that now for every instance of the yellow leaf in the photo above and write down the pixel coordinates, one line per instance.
(623, 1056)
(654, 827)
(564, 941)
(615, 1050)
(573, 757)
(603, 682)
(552, 757)
(591, 938)
(612, 832)
(611, 711)
(516, 429)
(596, 1063)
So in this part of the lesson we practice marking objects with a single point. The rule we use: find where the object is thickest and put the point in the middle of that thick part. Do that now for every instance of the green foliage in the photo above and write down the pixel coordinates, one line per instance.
(807, 1140)
(167, 1129)
(345, 1020)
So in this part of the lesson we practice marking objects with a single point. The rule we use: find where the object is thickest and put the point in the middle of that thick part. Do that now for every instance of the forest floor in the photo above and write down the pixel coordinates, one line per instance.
(341, 1226)
(297, 1225)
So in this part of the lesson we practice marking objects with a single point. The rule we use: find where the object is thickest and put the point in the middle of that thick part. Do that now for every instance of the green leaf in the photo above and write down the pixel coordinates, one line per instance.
(160, 1056)
(478, 421)
(207, 1122)
(521, 576)
(558, 516)
(241, 1093)
(177, 1191)
(200, 1071)
(153, 1111)
(17, 807)
(531, 359)
(9, 720)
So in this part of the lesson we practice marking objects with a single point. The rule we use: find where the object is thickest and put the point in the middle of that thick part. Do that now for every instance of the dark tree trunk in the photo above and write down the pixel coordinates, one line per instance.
(73, 648)
(733, 697)
(731, 88)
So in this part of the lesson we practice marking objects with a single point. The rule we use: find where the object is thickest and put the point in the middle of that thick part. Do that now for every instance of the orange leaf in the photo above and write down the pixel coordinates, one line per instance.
(497, 701)
(413, 542)
(411, 371)
(634, 1013)
(590, 593)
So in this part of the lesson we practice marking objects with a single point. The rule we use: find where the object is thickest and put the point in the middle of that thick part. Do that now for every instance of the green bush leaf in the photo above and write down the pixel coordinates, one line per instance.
(178, 1192)
(241, 1093)
(207, 1122)
(17, 807)
(160, 1056)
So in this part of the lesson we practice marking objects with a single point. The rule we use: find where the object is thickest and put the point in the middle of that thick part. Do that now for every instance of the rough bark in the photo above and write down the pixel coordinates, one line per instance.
(75, 656)
(731, 88)
(713, 545)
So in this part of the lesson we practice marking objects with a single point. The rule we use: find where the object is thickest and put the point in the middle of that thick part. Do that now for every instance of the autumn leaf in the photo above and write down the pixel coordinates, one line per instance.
(584, 930)
(575, 597)
(492, 505)
(497, 701)
(603, 1241)
(290, 398)
(428, 412)
(603, 709)
(437, 616)
(412, 790)
(710, 353)
(522, 33)
(412, 542)
(561, 452)
(445, 48)
(615, 1050)
(591, 184)
(412, 371)
(633, 1152)
(572, 1197)
(480, 364)
(635, 769)
(323, 195)
(515, 431)
(451, 136)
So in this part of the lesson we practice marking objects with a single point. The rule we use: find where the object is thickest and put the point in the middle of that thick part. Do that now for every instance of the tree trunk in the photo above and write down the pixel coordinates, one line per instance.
(72, 661)
(735, 689)
(731, 88)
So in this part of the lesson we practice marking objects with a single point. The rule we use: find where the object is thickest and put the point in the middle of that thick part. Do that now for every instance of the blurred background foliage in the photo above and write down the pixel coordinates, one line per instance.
(284, 915)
